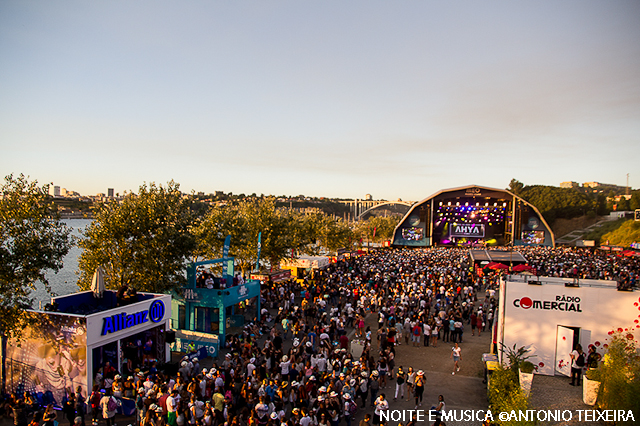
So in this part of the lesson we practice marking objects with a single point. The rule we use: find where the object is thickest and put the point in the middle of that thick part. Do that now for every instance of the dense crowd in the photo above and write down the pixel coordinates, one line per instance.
(583, 263)
(297, 366)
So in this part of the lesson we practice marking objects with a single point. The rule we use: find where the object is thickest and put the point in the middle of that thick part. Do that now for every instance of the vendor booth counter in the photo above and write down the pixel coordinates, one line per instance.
(67, 346)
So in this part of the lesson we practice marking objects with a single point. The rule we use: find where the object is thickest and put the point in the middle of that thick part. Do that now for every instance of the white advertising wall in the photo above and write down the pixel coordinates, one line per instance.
(114, 324)
(544, 317)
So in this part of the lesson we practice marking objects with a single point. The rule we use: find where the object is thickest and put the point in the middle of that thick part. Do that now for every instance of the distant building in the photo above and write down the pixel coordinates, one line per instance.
(110, 192)
(54, 191)
(368, 197)
(569, 184)
(591, 184)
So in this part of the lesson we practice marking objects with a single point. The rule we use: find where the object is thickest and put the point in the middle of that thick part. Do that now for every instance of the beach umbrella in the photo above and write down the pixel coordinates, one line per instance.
(97, 283)
(522, 268)
(499, 266)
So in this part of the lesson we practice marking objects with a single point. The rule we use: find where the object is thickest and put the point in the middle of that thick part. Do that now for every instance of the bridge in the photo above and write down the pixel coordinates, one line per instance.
(359, 207)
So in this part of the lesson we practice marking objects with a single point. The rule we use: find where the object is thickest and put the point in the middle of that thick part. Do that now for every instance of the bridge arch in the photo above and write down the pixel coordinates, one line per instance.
(388, 203)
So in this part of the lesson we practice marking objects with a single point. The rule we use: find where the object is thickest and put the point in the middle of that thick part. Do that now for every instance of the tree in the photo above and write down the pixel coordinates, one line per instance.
(32, 241)
(142, 241)
(515, 186)
(634, 203)
(382, 226)
(244, 221)
(283, 231)
(623, 204)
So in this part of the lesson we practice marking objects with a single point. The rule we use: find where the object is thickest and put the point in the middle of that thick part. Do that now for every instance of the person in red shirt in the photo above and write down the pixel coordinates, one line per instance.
(344, 342)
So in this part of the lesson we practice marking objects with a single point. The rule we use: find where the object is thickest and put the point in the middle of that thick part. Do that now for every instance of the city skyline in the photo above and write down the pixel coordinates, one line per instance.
(329, 100)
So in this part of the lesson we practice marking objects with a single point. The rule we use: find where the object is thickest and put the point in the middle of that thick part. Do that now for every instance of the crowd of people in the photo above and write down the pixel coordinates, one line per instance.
(295, 366)
(583, 263)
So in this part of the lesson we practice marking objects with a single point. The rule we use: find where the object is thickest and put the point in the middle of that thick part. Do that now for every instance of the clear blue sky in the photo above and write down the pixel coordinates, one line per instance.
(324, 98)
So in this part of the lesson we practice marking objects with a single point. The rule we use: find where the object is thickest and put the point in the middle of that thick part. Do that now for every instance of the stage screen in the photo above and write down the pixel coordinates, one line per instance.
(414, 233)
(533, 237)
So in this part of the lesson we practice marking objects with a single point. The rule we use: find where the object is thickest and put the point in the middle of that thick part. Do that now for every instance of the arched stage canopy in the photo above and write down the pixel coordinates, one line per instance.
(473, 216)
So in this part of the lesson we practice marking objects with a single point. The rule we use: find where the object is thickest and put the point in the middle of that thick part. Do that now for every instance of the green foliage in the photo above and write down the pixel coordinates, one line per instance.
(594, 374)
(142, 241)
(506, 395)
(31, 242)
(623, 205)
(516, 356)
(554, 202)
(283, 231)
(515, 186)
(607, 227)
(527, 367)
(383, 227)
(627, 232)
(620, 374)
(634, 203)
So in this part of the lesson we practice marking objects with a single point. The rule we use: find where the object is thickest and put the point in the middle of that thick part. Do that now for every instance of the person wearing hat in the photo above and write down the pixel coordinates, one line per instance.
(400, 383)
(419, 383)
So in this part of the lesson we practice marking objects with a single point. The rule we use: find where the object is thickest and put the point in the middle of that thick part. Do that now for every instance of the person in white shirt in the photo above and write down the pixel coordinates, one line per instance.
(381, 405)
(455, 355)
(172, 406)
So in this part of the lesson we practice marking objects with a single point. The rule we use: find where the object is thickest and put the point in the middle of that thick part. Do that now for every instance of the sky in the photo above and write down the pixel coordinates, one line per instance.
(327, 98)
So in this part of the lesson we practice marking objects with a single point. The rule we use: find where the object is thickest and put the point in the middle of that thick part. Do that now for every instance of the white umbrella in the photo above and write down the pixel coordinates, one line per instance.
(97, 283)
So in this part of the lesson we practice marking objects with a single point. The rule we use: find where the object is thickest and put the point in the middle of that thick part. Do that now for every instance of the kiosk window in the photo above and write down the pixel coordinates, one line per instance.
(202, 320)
(182, 317)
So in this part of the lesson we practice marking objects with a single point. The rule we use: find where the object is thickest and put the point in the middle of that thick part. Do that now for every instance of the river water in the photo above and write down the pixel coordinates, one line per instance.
(64, 282)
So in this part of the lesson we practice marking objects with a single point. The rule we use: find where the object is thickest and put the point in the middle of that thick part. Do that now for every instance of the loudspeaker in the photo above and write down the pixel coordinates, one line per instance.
(170, 336)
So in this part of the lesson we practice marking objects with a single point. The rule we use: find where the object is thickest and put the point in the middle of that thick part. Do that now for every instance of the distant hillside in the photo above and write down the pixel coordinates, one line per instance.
(563, 227)
(561, 203)
(626, 234)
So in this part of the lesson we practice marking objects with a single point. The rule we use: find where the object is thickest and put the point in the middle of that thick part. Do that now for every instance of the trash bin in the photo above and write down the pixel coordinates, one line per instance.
(357, 347)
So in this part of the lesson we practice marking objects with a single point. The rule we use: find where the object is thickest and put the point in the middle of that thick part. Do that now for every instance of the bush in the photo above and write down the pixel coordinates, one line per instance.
(505, 395)
(527, 367)
(594, 374)
(620, 374)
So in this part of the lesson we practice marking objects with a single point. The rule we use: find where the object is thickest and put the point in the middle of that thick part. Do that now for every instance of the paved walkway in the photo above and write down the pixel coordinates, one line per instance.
(555, 393)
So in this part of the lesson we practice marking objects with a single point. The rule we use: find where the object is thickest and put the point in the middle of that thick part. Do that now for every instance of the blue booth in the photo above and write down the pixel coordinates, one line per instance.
(205, 310)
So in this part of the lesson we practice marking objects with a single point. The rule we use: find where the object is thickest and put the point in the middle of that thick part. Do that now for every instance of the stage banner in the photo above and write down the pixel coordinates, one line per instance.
(472, 230)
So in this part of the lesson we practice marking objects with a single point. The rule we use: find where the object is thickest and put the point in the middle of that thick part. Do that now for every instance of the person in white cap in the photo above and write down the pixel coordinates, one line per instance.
(284, 367)
(350, 408)
(250, 367)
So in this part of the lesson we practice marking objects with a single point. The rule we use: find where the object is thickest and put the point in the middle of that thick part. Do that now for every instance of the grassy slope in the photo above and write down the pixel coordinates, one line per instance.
(627, 233)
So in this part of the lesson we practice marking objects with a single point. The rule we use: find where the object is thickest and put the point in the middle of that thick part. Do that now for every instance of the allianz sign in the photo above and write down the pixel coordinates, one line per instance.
(118, 322)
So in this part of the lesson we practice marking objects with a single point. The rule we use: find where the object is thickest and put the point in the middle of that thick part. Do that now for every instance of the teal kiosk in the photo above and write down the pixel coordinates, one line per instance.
(203, 314)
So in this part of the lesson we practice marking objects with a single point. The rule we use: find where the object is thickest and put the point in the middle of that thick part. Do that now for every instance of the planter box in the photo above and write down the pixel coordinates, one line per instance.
(526, 380)
(590, 390)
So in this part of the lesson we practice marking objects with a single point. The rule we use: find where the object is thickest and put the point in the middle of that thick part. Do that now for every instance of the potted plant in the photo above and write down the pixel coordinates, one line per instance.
(591, 386)
(525, 375)
(518, 364)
